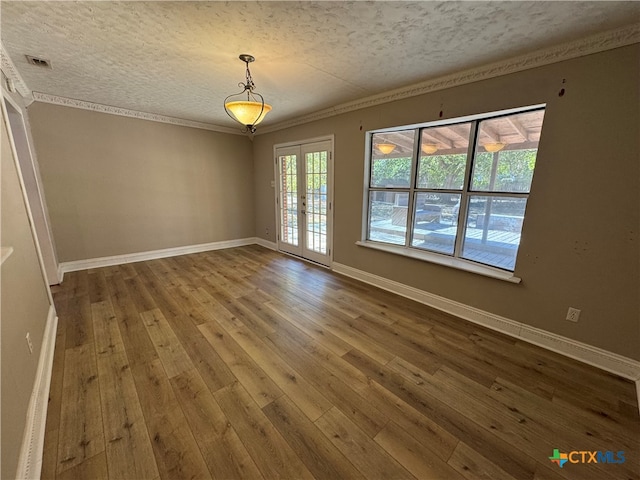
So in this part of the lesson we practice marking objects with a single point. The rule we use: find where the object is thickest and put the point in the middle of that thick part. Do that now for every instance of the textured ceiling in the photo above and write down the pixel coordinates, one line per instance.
(180, 58)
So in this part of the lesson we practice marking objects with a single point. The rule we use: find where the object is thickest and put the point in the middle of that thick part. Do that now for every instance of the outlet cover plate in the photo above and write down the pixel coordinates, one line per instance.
(573, 314)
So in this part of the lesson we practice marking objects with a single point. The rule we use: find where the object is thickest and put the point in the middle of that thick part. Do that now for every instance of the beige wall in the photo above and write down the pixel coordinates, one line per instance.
(580, 239)
(116, 185)
(24, 308)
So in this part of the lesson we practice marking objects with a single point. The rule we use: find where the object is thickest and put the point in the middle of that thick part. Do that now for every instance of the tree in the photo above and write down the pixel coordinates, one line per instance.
(442, 171)
(391, 172)
(513, 174)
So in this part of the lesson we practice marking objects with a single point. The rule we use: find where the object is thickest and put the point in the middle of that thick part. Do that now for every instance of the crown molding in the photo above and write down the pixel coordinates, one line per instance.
(11, 72)
(579, 48)
(125, 112)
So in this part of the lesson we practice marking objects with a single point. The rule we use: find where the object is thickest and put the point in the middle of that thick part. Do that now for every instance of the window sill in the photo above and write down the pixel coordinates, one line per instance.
(447, 261)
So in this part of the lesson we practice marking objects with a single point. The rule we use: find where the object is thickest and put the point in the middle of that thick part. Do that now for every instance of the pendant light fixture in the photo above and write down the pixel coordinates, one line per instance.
(494, 147)
(252, 110)
(386, 148)
(429, 148)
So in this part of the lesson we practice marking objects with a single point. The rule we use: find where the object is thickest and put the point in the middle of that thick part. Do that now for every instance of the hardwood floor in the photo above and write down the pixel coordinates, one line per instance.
(245, 363)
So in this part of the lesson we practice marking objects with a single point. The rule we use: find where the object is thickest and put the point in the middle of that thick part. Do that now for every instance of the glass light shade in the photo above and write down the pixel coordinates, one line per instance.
(386, 148)
(429, 148)
(248, 113)
(494, 147)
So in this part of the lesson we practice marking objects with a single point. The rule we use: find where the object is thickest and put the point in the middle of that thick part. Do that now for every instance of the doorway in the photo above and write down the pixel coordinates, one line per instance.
(32, 184)
(304, 199)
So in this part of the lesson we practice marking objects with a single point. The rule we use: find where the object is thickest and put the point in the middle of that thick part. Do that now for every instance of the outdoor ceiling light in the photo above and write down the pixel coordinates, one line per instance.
(494, 147)
(429, 148)
(386, 148)
(251, 111)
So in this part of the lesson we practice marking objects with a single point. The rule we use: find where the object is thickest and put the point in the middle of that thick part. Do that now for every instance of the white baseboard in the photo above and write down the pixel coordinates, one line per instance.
(152, 255)
(611, 362)
(266, 243)
(30, 460)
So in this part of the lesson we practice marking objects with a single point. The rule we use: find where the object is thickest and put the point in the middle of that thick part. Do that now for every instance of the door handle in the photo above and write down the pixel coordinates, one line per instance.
(303, 212)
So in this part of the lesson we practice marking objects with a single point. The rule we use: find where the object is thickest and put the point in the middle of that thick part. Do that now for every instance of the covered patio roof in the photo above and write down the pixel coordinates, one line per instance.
(516, 132)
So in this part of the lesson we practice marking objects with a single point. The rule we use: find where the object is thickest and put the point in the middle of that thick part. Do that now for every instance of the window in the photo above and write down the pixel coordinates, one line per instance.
(458, 189)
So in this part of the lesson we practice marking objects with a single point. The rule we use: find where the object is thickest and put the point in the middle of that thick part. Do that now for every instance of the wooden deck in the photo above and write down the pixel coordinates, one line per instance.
(499, 249)
(245, 363)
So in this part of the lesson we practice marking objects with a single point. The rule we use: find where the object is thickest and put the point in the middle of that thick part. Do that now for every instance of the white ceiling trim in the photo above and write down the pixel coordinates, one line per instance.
(11, 72)
(125, 112)
(587, 46)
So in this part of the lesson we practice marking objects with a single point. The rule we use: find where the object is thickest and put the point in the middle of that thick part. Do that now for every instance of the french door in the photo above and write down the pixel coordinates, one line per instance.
(304, 200)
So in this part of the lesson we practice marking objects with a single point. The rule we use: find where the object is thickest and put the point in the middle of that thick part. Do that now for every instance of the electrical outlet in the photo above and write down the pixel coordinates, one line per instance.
(29, 344)
(266, 230)
(573, 314)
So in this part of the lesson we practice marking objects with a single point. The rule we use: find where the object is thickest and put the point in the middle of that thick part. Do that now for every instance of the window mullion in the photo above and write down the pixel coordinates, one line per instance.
(464, 195)
(412, 189)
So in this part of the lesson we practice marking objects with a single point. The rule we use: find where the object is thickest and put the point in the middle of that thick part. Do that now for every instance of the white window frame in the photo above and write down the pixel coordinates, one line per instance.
(455, 260)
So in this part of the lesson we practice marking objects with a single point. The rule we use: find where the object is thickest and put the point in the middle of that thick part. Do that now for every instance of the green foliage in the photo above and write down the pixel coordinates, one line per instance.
(513, 174)
(381, 211)
(290, 174)
(442, 171)
(514, 171)
(391, 172)
(316, 171)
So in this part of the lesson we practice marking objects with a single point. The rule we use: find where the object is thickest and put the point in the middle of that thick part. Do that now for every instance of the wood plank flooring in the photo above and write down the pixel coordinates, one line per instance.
(245, 363)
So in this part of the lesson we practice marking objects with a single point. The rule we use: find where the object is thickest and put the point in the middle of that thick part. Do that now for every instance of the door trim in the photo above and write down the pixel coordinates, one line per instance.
(26, 161)
(25, 198)
(330, 198)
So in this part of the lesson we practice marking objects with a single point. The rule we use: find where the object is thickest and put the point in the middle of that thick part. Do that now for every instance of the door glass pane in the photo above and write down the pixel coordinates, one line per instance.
(443, 156)
(316, 164)
(506, 153)
(289, 199)
(388, 217)
(391, 159)
(493, 227)
(435, 221)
